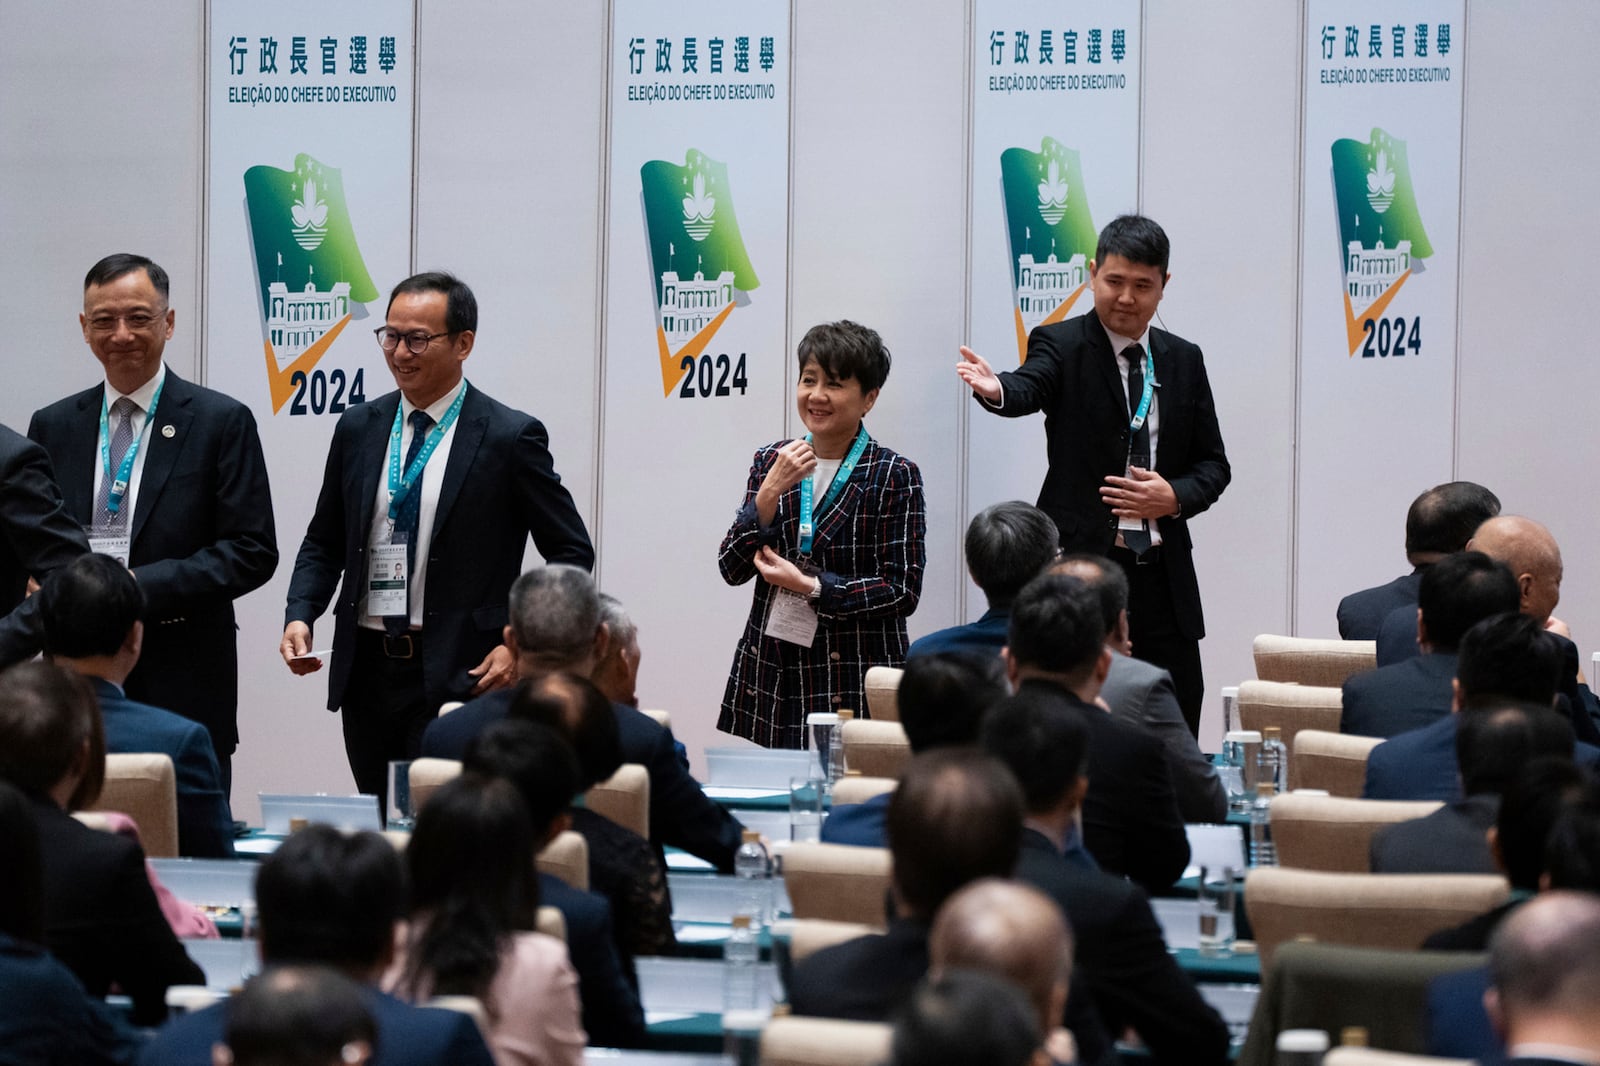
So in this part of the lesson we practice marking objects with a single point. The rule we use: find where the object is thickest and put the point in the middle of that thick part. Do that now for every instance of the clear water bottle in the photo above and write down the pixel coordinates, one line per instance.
(753, 868)
(743, 1013)
(1272, 761)
(836, 766)
(1262, 850)
(1230, 708)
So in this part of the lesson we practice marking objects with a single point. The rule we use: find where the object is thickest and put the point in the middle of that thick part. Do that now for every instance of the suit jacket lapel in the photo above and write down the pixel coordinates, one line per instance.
(171, 410)
(371, 459)
(471, 425)
(75, 472)
(1105, 361)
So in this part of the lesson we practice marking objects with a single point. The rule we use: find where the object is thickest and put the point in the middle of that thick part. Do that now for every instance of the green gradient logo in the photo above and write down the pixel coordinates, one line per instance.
(1382, 239)
(308, 265)
(697, 256)
(1050, 233)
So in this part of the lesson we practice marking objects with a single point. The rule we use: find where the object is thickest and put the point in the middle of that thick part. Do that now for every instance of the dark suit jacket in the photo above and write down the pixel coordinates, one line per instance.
(407, 1036)
(205, 824)
(101, 915)
(985, 637)
(47, 1019)
(1398, 698)
(681, 815)
(500, 485)
(1120, 954)
(1421, 764)
(1449, 841)
(607, 984)
(1362, 613)
(1071, 375)
(862, 825)
(36, 536)
(1458, 1026)
(1131, 823)
(202, 537)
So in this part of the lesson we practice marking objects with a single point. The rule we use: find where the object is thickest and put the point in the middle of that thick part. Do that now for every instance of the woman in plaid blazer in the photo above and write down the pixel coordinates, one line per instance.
(859, 574)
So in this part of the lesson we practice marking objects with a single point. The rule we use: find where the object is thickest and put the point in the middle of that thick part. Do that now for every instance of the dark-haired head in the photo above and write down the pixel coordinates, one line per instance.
(52, 739)
(535, 759)
(89, 608)
(122, 264)
(332, 898)
(1109, 582)
(1057, 628)
(1529, 806)
(955, 817)
(1458, 592)
(299, 1016)
(461, 307)
(844, 350)
(1494, 742)
(1508, 656)
(1039, 737)
(944, 697)
(1007, 546)
(581, 715)
(1136, 239)
(1444, 518)
(964, 1017)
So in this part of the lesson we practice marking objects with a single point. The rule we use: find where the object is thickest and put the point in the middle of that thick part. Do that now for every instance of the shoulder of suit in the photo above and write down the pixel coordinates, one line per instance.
(1171, 342)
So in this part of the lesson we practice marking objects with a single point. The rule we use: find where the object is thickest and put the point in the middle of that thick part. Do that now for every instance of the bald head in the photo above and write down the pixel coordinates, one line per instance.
(1533, 556)
(1010, 930)
(1545, 961)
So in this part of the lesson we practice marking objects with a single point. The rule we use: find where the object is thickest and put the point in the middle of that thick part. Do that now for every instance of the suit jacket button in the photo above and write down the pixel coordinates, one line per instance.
(834, 656)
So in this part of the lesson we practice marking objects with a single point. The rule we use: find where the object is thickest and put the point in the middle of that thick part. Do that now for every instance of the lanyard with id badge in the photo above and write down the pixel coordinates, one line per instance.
(792, 617)
(115, 537)
(389, 566)
(1140, 459)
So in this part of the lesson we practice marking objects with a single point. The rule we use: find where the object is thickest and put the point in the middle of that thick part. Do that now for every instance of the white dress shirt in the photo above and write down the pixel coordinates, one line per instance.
(140, 422)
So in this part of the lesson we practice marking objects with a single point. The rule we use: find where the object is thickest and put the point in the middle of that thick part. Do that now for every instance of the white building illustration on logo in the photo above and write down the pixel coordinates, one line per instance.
(1043, 287)
(297, 320)
(1370, 271)
(688, 306)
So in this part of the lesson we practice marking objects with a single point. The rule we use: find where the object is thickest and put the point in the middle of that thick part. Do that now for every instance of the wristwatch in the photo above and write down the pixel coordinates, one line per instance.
(816, 592)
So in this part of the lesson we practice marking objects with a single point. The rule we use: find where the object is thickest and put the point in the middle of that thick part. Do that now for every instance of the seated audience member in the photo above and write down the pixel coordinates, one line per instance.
(1007, 546)
(327, 898)
(298, 1016)
(1131, 823)
(101, 917)
(45, 1015)
(1142, 694)
(1013, 932)
(1439, 522)
(622, 866)
(92, 610)
(1546, 966)
(1456, 593)
(943, 697)
(545, 772)
(617, 672)
(556, 627)
(1120, 955)
(473, 906)
(1492, 744)
(954, 819)
(964, 1017)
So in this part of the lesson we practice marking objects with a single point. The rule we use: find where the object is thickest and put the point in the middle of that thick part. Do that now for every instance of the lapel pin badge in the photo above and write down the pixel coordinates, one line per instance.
(168, 431)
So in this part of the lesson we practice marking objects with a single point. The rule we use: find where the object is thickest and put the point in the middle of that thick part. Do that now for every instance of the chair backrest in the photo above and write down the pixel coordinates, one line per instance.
(877, 749)
(810, 935)
(854, 788)
(1396, 911)
(144, 786)
(427, 775)
(566, 857)
(1289, 707)
(1368, 1056)
(550, 922)
(1312, 660)
(824, 1042)
(1335, 832)
(883, 693)
(838, 882)
(624, 797)
(1333, 762)
(663, 719)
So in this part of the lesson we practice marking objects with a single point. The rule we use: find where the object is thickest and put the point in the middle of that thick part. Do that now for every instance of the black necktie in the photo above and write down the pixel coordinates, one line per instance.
(1137, 540)
(406, 520)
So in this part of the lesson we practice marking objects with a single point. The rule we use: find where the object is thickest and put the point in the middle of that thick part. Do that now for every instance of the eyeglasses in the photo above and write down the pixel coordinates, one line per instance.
(137, 321)
(389, 339)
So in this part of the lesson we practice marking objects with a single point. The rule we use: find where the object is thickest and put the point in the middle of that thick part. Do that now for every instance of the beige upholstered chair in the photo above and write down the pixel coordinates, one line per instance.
(550, 922)
(837, 882)
(624, 797)
(663, 719)
(883, 692)
(1312, 661)
(1334, 832)
(427, 775)
(877, 749)
(1289, 707)
(1395, 911)
(810, 935)
(144, 786)
(1333, 762)
(824, 1042)
(1366, 1056)
(566, 857)
(854, 788)
(446, 708)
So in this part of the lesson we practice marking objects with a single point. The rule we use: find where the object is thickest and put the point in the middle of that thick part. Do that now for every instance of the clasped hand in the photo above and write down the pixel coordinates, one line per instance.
(1146, 494)
(776, 570)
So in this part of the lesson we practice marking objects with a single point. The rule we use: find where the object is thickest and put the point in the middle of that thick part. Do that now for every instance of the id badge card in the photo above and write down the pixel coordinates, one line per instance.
(1142, 461)
(387, 575)
(792, 619)
(111, 540)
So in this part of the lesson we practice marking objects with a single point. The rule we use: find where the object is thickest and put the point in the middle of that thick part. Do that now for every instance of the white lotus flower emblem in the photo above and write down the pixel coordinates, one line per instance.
(698, 209)
(310, 218)
(1053, 194)
(1380, 184)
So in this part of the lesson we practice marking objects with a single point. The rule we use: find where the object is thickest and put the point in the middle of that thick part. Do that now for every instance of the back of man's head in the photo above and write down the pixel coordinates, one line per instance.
(1007, 546)
(1544, 962)
(88, 607)
(955, 817)
(1057, 627)
(50, 727)
(1444, 518)
(1572, 851)
(1494, 742)
(964, 1017)
(1105, 577)
(332, 898)
(534, 758)
(581, 715)
(1508, 656)
(1461, 590)
(1532, 801)
(943, 698)
(1010, 930)
(555, 615)
(617, 674)
(1041, 739)
(299, 1016)
(1533, 555)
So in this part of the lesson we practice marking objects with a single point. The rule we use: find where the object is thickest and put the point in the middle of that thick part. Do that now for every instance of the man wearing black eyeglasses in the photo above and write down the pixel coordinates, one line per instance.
(170, 477)
(428, 499)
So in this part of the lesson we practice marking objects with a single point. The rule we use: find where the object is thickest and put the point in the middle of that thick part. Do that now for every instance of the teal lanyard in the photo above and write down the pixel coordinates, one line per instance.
(119, 485)
(400, 488)
(807, 515)
(1149, 394)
